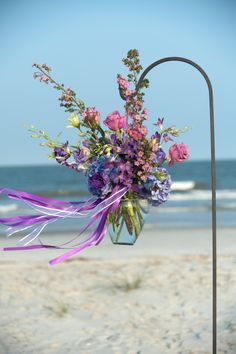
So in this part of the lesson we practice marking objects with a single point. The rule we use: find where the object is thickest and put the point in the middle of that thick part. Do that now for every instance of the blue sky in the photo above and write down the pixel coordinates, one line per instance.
(84, 42)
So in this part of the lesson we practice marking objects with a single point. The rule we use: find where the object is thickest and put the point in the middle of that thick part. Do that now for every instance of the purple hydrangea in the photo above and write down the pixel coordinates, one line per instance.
(99, 177)
(122, 173)
(157, 187)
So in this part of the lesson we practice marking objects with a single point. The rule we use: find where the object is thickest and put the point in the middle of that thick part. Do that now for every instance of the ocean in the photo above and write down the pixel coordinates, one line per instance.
(189, 205)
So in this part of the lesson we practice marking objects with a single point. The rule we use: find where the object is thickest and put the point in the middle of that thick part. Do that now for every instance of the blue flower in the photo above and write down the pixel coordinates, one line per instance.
(99, 177)
(157, 187)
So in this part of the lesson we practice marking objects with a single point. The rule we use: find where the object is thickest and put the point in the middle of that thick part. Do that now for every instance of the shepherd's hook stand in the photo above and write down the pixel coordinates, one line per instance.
(213, 183)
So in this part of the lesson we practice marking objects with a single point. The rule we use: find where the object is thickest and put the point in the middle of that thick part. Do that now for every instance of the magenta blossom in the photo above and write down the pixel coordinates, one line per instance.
(115, 121)
(178, 153)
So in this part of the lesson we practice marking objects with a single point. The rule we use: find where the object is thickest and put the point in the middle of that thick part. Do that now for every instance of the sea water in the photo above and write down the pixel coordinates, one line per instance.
(189, 204)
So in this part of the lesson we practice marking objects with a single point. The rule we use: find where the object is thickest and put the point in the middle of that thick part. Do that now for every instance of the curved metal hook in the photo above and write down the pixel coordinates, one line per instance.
(213, 181)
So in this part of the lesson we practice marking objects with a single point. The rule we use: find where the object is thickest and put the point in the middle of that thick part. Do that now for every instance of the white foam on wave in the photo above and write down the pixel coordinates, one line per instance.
(203, 195)
(228, 206)
(183, 209)
(194, 209)
(183, 185)
(7, 208)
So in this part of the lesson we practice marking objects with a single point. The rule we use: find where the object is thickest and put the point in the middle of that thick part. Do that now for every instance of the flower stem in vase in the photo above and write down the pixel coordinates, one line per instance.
(120, 229)
(130, 211)
(128, 220)
(140, 217)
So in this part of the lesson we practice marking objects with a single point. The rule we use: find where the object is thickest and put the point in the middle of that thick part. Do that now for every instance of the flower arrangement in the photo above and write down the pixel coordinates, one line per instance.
(126, 168)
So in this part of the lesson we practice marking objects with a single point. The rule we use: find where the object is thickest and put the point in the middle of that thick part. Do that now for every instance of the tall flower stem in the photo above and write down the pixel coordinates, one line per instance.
(78, 101)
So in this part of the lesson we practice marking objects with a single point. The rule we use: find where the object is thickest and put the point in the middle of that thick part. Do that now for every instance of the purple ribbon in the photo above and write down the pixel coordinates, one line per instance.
(52, 210)
(93, 239)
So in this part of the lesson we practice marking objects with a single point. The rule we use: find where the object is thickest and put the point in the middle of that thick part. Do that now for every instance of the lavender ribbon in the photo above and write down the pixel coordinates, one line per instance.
(52, 210)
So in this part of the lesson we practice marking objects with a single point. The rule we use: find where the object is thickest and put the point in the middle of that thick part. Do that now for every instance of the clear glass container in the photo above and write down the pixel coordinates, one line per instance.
(126, 223)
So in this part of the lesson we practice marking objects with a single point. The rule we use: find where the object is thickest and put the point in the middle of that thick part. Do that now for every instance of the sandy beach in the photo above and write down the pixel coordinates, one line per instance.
(154, 297)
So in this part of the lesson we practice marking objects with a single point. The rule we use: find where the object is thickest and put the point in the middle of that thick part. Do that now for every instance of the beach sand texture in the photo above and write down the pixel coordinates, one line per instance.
(154, 297)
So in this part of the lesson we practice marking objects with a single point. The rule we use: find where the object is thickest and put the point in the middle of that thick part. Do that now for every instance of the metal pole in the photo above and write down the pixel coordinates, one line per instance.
(213, 183)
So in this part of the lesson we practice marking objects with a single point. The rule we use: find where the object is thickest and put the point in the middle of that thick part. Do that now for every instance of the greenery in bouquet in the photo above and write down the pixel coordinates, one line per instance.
(120, 153)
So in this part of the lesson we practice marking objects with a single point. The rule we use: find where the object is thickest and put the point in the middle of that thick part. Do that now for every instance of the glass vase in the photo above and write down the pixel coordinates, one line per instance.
(126, 223)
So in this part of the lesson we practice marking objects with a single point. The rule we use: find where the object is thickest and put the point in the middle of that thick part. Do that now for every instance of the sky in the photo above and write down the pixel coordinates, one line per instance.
(85, 41)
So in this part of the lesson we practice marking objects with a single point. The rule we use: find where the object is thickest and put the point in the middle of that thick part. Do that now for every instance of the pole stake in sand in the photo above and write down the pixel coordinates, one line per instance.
(213, 183)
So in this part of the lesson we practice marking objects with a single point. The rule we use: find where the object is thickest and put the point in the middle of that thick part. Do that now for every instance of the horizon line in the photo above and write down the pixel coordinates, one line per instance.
(49, 164)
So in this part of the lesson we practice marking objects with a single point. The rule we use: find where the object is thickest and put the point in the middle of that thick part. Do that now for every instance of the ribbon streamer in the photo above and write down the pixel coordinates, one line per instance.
(52, 210)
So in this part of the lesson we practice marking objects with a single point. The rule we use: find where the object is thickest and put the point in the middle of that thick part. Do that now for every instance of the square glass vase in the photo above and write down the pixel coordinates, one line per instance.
(127, 221)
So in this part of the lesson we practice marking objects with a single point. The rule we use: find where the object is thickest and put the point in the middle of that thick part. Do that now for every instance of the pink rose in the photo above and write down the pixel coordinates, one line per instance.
(91, 117)
(114, 121)
(178, 153)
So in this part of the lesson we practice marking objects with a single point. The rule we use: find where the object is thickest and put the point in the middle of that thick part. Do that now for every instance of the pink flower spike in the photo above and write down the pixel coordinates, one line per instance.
(135, 134)
(144, 130)
(129, 92)
(45, 79)
(122, 82)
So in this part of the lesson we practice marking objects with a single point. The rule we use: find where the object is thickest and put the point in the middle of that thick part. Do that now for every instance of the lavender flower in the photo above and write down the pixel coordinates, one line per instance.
(156, 136)
(122, 173)
(61, 154)
(160, 156)
(157, 187)
(81, 154)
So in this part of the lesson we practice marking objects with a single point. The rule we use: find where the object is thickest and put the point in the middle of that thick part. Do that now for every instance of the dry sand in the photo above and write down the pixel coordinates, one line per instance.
(154, 297)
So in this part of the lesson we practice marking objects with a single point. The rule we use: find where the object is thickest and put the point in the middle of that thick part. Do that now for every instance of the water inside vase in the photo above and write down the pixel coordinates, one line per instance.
(126, 223)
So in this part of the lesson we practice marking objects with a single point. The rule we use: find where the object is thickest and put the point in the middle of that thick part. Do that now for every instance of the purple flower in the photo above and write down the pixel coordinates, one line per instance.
(157, 187)
(167, 138)
(156, 136)
(160, 156)
(122, 173)
(160, 122)
(87, 143)
(99, 181)
(99, 184)
(62, 153)
(81, 155)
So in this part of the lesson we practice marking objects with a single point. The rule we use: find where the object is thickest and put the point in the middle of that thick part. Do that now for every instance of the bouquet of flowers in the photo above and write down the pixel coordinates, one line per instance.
(126, 168)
